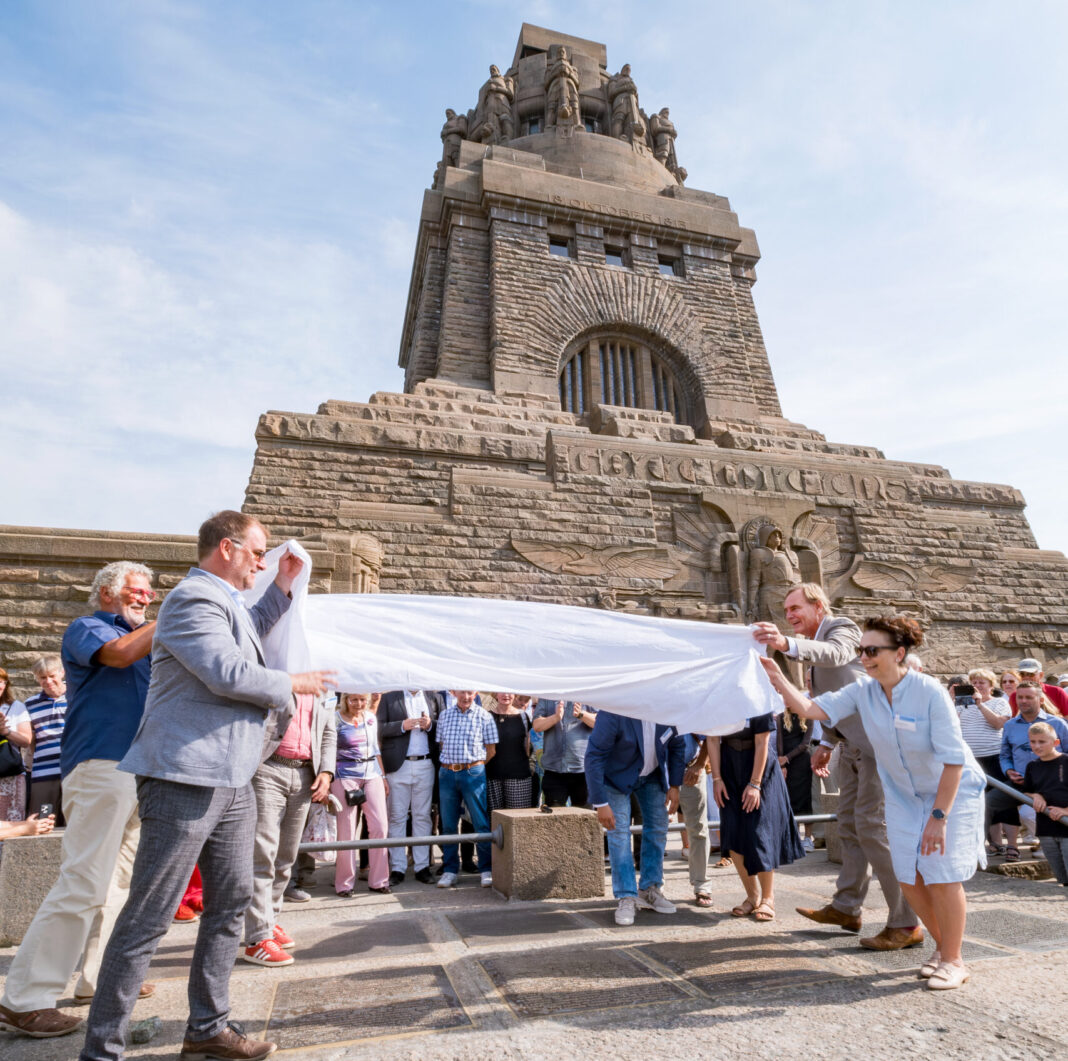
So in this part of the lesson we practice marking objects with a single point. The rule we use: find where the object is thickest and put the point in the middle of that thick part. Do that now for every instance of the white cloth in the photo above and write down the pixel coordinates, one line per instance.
(700, 677)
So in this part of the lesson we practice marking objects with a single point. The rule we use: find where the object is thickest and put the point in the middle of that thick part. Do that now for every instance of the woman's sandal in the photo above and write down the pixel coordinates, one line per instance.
(765, 911)
(948, 976)
(723, 863)
(744, 909)
(1012, 854)
(929, 967)
(703, 899)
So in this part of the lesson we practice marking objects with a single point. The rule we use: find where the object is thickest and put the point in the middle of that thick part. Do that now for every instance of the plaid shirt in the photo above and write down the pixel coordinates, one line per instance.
(463, 735)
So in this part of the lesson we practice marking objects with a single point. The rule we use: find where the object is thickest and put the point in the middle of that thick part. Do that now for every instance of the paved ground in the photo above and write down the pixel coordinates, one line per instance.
(428, 973)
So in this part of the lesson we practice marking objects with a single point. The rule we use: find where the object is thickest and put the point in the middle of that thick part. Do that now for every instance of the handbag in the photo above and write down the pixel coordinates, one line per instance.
(11, 764)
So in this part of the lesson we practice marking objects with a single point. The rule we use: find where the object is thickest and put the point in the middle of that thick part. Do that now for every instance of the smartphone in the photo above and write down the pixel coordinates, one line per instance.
(47, 810)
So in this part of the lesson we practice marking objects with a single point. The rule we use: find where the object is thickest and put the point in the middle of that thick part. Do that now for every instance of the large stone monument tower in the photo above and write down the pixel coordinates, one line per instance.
(589, 413)
(589, 416)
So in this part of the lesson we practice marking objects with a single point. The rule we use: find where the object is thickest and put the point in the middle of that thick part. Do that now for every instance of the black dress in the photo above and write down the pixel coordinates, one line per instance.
(508, 780)
(766, 838)
(794, 743)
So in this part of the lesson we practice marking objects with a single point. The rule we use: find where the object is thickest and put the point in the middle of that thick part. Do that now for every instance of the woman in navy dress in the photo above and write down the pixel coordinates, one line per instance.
(756, 823)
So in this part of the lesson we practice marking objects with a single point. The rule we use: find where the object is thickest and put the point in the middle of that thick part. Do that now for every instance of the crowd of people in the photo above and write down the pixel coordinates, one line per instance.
(179, 757)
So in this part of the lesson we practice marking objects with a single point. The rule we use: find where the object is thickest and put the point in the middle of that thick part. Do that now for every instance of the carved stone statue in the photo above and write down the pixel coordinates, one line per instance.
(453, 133)
(561, 90)
(627, 123)
(493, 117)
(773, 570)
(367, 558)
(663, 132)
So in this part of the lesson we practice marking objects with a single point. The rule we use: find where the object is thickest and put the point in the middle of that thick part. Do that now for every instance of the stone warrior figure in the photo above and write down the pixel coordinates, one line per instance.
(561, 91)
(627, 123)
(773, 572)
(493, 120)
(662, 130)
(453, 133)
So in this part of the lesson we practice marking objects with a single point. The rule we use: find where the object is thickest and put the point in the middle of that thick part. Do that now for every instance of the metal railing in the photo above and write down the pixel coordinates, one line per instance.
(495, 837)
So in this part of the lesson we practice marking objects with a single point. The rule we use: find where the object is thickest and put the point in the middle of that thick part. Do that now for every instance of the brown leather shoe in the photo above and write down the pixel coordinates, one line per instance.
(828, 915)
(231, 1044)
(894, 939)
(147, 991)
(38, 1023)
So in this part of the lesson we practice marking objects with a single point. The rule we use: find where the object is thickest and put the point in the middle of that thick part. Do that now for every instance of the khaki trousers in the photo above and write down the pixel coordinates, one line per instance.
(76, 918)
(862, 831)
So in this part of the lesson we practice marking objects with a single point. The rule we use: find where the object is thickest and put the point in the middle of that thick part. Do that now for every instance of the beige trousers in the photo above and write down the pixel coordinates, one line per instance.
(76, 918)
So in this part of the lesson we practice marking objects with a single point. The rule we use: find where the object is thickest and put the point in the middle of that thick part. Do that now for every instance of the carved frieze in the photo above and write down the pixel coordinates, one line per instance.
(625, 561)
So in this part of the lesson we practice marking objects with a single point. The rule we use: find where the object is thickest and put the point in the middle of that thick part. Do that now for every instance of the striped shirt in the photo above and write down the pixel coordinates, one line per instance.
(46, 719)
(978, 734)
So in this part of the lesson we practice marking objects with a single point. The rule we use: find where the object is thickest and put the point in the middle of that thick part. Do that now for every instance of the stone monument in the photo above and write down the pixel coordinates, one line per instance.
(589, 416)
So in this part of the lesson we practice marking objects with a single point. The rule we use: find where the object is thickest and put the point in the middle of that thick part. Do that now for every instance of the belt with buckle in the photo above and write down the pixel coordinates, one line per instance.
(457, 767)
(415, 758)
(282, 760)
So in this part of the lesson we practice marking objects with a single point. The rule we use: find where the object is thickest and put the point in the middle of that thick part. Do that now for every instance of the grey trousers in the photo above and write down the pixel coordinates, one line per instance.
(693, 802)
(283, 796)
(862, 831)
(181, 826)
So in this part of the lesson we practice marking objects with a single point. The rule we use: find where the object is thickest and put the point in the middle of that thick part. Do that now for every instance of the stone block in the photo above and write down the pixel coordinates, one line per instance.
(549, 856)
(829, 805)
(29, 866)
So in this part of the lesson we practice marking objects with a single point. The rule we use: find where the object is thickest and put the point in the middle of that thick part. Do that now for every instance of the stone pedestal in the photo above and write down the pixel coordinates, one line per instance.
(829, 805)
(549, 856)
(29, 866)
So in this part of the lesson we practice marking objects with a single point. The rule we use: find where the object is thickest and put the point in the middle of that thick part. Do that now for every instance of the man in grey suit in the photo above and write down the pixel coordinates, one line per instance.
(828, 645)
(199, 743)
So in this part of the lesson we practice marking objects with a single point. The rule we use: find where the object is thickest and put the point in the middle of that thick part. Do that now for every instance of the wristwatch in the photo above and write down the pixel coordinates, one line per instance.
(938, 815)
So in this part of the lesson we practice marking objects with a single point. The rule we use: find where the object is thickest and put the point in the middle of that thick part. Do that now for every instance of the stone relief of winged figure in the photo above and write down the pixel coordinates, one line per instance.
(620, 561)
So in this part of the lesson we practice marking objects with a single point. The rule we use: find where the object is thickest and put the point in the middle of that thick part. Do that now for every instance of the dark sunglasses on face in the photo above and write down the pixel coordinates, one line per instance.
(871, 651)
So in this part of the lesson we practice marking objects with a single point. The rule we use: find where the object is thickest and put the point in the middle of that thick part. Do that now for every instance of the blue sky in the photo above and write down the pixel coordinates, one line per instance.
(208, 210)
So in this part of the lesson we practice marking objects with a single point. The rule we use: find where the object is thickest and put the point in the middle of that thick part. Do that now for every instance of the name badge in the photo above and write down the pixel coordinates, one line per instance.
(905, 722)
(665, 736)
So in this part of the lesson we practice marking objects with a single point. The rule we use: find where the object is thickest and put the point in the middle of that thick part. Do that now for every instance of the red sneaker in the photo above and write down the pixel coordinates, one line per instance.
(282, 938)
(196, 905)
(267, 952)
(186, 913)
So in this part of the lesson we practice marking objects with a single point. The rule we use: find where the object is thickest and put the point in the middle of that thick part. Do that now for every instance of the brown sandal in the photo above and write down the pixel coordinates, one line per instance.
(744, 909)
(765, 911)
(703, 899)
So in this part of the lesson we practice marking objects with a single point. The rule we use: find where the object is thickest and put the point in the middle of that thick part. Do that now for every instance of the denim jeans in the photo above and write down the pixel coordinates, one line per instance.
(651, 798)
(470, 786)
(1055, 848)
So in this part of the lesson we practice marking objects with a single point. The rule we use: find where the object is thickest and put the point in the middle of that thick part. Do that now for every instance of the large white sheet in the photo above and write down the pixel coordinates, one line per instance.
(701, 677)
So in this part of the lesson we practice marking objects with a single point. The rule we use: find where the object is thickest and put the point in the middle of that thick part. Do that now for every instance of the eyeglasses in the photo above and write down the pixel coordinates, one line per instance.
(148, 595)
(871, 651)
(259, 554)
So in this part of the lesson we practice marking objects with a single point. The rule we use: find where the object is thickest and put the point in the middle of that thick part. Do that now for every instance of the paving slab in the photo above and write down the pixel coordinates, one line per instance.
(463, 973)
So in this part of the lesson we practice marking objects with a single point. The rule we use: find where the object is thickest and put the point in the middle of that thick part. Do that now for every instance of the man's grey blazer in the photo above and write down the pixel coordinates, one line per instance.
(210, 693)
(833, 663)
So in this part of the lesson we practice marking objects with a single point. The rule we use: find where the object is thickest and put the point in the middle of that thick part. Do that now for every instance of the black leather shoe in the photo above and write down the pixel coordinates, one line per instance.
(396, 877)
(423, 875)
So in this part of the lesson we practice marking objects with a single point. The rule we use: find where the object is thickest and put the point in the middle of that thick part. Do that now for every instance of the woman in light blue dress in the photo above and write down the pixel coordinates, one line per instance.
(932, 784)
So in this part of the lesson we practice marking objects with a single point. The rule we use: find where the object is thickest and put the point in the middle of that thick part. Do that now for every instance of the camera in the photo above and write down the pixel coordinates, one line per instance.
(964, 696)
(355, 797)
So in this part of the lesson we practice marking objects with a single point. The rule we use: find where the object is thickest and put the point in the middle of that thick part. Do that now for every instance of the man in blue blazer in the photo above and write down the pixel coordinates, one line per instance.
(211, 702)
(625, 757)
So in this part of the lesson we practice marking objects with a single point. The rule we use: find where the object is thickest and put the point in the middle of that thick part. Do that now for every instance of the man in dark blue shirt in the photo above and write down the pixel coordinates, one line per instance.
(107, 664)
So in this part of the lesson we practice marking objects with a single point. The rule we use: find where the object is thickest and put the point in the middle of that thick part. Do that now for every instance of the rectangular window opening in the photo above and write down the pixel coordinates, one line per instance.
(614, 256)
(533, 126)
(669, 266)
(560, 246)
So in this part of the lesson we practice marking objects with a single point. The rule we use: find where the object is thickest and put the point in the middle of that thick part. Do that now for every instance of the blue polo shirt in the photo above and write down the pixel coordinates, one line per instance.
(104, 704)
(1016, 745)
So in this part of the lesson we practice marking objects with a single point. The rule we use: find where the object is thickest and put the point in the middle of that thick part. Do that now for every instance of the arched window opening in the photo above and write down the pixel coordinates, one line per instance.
(615, 371)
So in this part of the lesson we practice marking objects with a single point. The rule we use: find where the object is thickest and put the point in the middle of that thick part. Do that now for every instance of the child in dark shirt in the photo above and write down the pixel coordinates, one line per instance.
(1046, 781)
